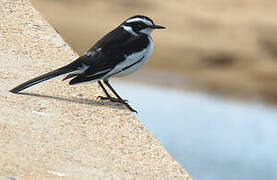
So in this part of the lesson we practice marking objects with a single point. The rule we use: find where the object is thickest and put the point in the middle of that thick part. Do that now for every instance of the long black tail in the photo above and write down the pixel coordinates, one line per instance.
(42, 78)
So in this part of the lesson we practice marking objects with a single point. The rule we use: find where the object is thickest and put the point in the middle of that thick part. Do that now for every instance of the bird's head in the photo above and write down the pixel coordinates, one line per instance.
(140, 25)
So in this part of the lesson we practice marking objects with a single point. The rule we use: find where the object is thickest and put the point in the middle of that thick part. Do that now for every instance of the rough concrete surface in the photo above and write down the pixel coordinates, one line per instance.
(57, 131)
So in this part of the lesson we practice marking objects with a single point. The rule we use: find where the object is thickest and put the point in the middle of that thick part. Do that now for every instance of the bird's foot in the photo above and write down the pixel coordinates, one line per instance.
(130, 108)
(112, 99)
(122, 101)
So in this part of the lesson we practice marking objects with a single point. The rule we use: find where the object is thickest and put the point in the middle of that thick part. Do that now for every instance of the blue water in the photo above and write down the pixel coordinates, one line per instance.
(212, 138)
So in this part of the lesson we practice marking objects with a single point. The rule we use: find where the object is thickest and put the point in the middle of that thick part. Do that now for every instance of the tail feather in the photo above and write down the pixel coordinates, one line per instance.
(42, 78)
(69, 76)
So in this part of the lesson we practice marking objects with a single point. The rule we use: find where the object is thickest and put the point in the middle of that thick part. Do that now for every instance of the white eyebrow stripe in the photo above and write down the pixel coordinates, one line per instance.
(129, 29)
(140, 19)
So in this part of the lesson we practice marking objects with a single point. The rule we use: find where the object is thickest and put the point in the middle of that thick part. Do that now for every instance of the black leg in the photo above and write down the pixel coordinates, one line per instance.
(108, 96)
(119, 99)
(115, 93)
(105, 91)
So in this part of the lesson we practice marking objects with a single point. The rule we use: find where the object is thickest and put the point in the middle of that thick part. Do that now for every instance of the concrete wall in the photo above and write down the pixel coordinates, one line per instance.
(51, 131)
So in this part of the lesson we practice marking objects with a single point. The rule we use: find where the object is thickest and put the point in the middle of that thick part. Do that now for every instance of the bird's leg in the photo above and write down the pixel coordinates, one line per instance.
(108, 96)
(114, 92)
(119, 99)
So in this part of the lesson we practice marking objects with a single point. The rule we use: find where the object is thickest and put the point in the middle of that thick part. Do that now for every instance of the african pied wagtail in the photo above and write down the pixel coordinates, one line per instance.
(121, 52)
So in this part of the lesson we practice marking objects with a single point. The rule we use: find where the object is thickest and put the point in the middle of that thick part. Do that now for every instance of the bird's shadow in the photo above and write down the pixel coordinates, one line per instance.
(91, 102)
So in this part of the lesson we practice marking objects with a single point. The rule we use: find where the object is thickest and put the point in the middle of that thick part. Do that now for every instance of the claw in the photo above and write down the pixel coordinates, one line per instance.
(130, 108)
(113, 99)
(122, 101)
(102, 98)
(107, 98)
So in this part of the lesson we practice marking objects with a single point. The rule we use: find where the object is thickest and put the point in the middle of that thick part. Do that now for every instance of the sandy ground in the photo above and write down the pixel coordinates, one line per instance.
(52, 131)
(227, 47)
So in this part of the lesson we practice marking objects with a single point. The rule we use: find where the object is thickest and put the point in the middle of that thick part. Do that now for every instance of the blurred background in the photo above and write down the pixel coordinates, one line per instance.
(209, 91)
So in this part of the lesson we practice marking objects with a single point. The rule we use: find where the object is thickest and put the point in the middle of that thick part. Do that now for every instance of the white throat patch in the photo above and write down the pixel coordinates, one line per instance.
(129, 29)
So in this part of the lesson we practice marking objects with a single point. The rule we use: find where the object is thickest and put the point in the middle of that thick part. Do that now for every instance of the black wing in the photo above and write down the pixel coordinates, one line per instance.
(108, 52)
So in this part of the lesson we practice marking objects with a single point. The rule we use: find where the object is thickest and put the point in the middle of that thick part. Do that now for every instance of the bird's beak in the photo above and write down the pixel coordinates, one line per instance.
(157, 27)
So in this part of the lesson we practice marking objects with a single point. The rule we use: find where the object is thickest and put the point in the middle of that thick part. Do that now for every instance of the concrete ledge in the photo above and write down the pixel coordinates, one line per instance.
(51, 131)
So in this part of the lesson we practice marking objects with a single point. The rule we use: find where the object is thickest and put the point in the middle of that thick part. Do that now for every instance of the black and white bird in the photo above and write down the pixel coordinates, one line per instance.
(119, 53)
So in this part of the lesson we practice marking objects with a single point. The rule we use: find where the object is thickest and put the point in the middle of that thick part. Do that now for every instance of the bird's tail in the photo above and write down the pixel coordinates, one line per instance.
(42, 78)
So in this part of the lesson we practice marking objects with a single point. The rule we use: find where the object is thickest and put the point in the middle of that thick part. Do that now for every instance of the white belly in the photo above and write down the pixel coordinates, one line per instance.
(142, 57)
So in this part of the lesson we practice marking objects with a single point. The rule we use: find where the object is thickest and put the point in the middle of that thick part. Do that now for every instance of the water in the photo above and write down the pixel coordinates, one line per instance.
(212, 138)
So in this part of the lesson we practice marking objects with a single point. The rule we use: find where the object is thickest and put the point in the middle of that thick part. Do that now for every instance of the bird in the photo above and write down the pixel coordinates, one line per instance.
(120, 52)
